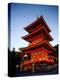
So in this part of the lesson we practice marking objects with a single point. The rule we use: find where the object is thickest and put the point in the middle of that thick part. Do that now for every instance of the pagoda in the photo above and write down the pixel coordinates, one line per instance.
(39, 49)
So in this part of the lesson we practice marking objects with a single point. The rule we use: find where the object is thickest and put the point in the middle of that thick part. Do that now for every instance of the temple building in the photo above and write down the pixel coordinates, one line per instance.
(39, 54)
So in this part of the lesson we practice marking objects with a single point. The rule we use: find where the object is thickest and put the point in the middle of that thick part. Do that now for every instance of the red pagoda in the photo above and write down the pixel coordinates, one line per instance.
(39, 49)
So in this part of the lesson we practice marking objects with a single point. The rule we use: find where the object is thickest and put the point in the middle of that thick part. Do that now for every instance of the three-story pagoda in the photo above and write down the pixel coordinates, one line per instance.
(39, 47)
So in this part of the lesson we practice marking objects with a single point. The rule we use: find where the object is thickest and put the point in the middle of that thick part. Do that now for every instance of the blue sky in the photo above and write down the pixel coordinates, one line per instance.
(24, 14)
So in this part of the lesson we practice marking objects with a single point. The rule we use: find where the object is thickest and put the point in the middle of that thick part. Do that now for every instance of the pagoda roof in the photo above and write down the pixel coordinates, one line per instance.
(34, 24)
(46, 45)
(28, 37)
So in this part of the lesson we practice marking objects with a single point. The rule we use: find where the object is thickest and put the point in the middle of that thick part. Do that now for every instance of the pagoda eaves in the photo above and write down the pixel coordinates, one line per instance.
(44, 44)
(37, 32)
(38, 21)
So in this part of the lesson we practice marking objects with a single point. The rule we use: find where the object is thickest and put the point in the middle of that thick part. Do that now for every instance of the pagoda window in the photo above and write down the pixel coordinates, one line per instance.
(37, 39)
(39, 36)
